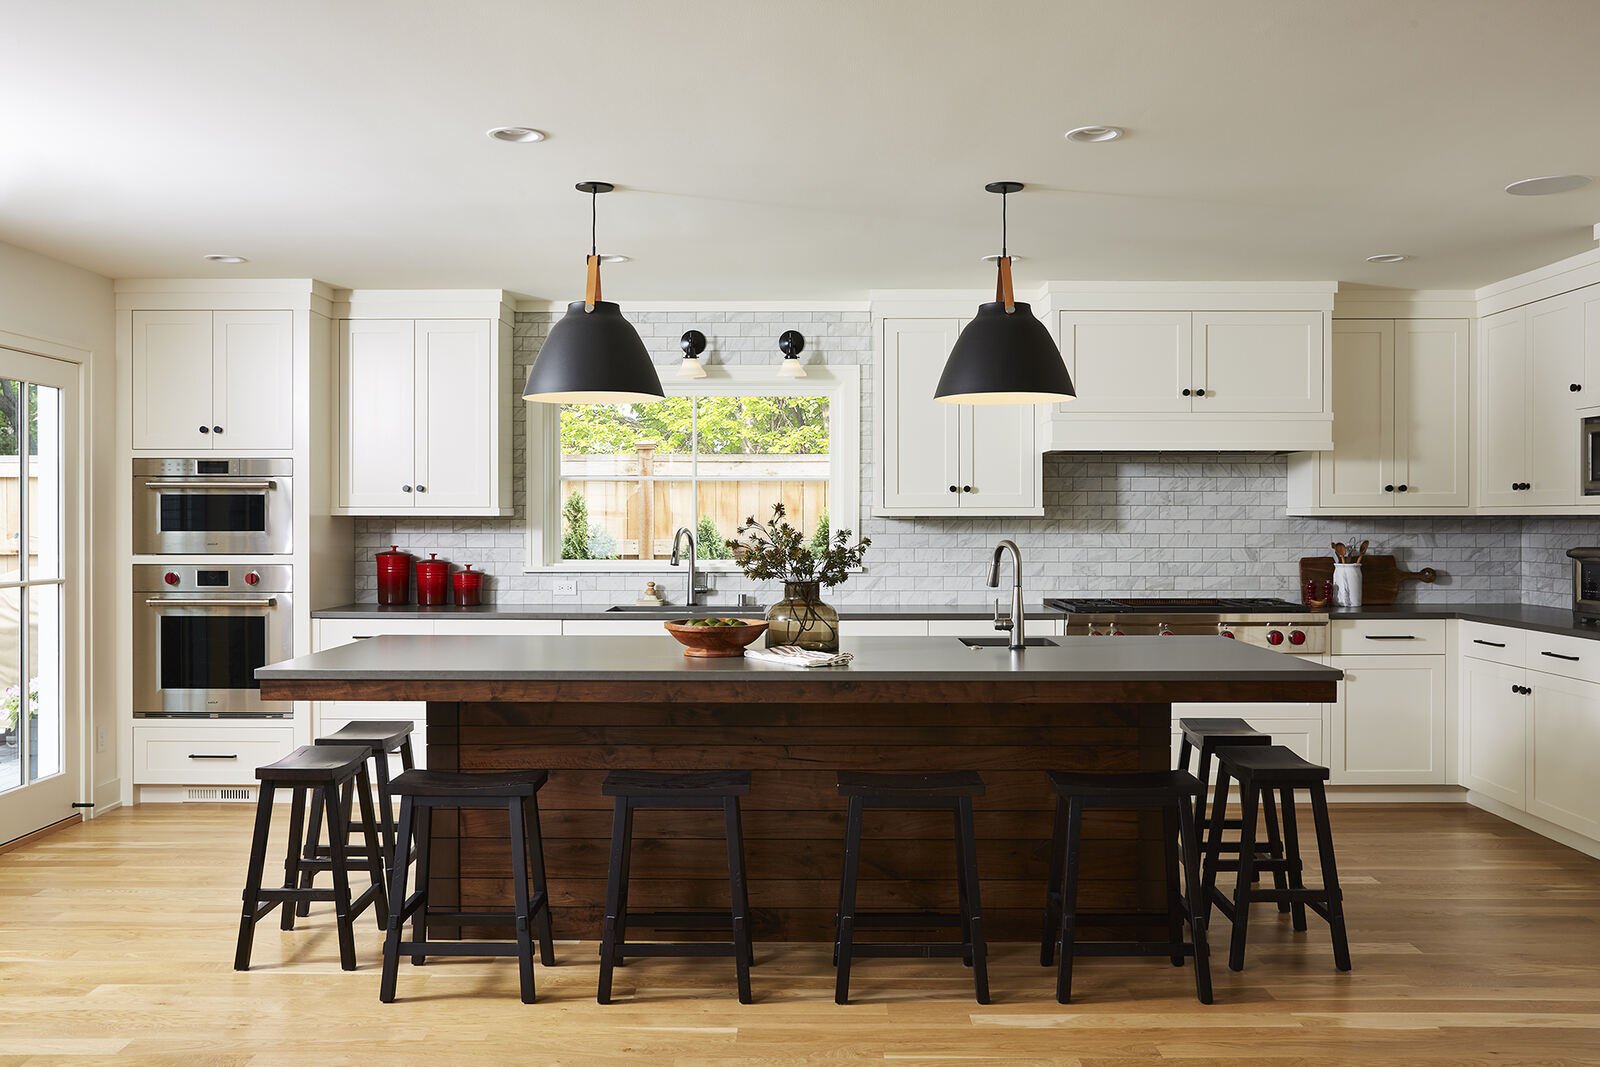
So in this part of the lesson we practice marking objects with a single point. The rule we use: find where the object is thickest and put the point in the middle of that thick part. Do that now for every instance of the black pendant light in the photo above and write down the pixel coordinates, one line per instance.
(593, 355)
(1005, 355)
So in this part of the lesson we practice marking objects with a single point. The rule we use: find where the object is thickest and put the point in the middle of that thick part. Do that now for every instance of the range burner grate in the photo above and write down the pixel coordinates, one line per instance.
(1138, 605)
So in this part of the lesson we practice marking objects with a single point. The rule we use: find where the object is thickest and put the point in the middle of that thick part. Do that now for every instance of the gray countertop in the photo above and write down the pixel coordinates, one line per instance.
(921, 659)
(670, 611)
(1521, 616)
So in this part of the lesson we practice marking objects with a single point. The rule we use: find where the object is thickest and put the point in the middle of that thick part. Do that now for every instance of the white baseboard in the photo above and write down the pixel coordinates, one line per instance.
(1544, 828)
(1396, 794)
(107, 796)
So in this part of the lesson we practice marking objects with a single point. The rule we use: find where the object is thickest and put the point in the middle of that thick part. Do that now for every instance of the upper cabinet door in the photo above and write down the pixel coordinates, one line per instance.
(377, 414)
(1362, 462)
(1004, 464)
(253, 380)
(1431, 413)
(456, 417)
(1257, 361)
(921, 468)
(171, 387)
(1127, 360)
(1556, 364)
(1503, 408)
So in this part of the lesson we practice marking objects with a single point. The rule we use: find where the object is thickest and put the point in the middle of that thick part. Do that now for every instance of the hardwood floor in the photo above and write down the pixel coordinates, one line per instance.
(1474, 941)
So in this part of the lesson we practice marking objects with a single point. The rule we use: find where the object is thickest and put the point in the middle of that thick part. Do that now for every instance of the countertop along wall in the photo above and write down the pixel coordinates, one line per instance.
(1114, 523)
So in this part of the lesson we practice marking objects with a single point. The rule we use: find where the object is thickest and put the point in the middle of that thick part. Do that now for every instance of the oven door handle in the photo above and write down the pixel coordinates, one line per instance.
(183, 483)
(211, 602)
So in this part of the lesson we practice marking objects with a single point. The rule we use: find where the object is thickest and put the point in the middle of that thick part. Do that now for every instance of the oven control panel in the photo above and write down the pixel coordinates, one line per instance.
(243, 578)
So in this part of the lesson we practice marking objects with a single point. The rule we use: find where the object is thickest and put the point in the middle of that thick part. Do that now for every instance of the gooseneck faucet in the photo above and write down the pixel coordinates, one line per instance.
(686, 534)
(1016, 622)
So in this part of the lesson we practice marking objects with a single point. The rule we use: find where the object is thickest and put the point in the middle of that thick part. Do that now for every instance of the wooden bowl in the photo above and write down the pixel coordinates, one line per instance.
(715, 642)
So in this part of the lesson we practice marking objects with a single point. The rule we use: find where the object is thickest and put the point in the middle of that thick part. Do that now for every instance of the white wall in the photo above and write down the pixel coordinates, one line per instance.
(53, 301)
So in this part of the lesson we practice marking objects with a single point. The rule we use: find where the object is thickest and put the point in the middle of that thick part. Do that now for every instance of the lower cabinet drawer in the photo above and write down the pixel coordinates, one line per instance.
(1569, 657)
(1497, 644)
(1388, 637)
(206, 755)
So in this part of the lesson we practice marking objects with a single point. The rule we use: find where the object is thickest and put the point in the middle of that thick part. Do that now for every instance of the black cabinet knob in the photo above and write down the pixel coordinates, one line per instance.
(966, 488)
(1388, 489)
(216, 429)
(405, 489)
(422, 489)
(1575, 387)
(1187, 392)
(955, 489)
(1403, 488)
(205, 429)
(1199, 392)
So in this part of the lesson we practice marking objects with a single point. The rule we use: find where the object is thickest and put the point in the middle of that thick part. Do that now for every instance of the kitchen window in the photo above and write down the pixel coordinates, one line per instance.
(615, 482)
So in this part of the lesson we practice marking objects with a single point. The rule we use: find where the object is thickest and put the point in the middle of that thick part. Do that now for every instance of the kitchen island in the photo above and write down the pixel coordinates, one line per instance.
(580, 706)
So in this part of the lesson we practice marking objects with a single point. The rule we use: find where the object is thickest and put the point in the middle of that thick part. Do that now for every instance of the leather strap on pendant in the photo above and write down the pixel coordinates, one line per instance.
(591, 292)
(1002, 285)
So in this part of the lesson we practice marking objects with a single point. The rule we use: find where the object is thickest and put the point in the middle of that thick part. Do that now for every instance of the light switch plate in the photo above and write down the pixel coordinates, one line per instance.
(565, 587)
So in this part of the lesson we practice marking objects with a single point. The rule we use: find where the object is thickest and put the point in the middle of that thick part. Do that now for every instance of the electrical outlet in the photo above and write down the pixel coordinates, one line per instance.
(100, 740)
(565, 587)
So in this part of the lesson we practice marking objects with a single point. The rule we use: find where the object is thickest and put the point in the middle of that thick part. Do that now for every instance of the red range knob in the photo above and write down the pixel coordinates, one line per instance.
(171, 578)
(1274, 637)
(1297, 637)
(252, 578)
(1229, 635)
(1116, 633)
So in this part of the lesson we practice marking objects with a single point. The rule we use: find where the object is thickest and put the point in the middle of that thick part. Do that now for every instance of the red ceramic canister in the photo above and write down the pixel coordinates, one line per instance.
(394, 576)
(433, 584)
(468, 586)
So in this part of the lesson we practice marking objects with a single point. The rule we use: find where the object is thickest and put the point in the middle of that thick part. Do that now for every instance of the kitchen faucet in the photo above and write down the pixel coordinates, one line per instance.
(1016, 622)
(686, 534)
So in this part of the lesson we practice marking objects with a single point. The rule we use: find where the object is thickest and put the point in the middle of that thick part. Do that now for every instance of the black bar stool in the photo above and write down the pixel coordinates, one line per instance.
(1208, 735)
(655, 790)
(950, 791)
(309, 768)
(518, 793)
(1259, 770)
(383, 737)
(1170, 792)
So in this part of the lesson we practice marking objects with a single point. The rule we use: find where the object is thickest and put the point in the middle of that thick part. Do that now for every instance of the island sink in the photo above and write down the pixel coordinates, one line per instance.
(1004, 642)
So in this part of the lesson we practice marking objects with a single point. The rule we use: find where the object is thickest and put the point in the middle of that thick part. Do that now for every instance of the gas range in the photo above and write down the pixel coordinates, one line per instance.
(1278, 625)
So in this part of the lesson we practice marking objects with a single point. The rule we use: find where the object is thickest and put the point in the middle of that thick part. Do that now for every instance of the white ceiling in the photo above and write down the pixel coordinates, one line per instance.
(798, 148)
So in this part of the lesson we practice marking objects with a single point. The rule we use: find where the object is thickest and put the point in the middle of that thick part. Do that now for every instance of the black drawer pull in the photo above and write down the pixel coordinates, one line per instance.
(1390, 637)
(1557, 655)
(203, 755)
(1491, 644)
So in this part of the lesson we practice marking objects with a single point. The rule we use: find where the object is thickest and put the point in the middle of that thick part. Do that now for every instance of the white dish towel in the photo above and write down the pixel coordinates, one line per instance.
(795, 656)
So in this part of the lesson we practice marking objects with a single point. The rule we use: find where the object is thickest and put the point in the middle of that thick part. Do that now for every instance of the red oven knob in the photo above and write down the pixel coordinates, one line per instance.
(1297, 637)
(1229, 635)
(1116, 633)
(1274, 637)
(252, 578)
(171, 578)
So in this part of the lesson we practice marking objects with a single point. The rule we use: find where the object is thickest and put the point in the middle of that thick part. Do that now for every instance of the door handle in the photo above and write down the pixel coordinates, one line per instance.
(210, 602)
(181, 483)
(1557, 655)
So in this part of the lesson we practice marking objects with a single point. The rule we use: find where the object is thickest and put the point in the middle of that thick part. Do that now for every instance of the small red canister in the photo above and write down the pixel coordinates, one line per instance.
(394, 576)
(468, 586)
(433, 584)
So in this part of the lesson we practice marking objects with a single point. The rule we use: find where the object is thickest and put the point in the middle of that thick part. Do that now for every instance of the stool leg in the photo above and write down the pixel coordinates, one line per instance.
(422, 838)
(338, 836)
(397, 909)
(737, 897)
(291, 861)
(1280, 880)
(1213, 835)
(1169, 855)
(369, 835)
(252, 877)
(622, 890)
(1218, 808)
(406, 761)
(847, 900)
(519, 893)
(380, 769)
(308, 876)
(744, 888)
(978, 946)
(1291, 854)
(1330, 877)
(1052, 887)
(609, 944)
(1069, 900)
(1247, 867)
(1185, 749)
(1199, 905)
(962, 905)
(541, 888)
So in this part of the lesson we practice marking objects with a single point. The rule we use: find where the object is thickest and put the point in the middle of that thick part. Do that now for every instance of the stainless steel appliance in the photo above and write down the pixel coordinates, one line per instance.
(200, 633)
(1590, 459)
(1585, 583)
(237, 506)
(1273, 624)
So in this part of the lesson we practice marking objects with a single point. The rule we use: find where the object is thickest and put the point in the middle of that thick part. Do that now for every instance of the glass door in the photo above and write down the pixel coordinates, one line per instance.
(41, 758)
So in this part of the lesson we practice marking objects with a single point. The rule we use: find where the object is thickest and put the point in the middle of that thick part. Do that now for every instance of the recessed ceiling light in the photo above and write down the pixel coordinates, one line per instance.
(1095, 134)
(614, 257)
(223, 257)
(1388, 257)
(995, 257)
(517, 134)
(1551, 183)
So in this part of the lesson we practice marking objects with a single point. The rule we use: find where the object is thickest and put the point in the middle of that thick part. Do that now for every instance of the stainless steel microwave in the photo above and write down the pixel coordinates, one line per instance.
(236, 506)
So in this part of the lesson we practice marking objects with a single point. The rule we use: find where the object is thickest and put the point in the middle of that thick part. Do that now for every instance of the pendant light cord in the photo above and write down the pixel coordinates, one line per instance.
(1005, 199)
(594, 210)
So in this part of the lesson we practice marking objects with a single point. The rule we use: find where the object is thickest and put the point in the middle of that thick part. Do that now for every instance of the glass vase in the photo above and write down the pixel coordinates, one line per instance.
(801, 618)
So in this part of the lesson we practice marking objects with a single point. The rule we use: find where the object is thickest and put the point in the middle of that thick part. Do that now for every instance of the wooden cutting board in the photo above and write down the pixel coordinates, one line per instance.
(1381, 577)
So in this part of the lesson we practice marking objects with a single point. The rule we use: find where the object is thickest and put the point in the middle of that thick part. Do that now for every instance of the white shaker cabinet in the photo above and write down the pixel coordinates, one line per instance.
(1563, 752)
(1494, 725)
(214, 380)
(1128, 361)
(424, 417)
(947, 459)
(1389, 721)
(1257, 362)
(1531, 358)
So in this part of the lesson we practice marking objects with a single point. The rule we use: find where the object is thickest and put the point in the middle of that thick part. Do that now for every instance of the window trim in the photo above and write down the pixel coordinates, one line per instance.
(841, 385)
